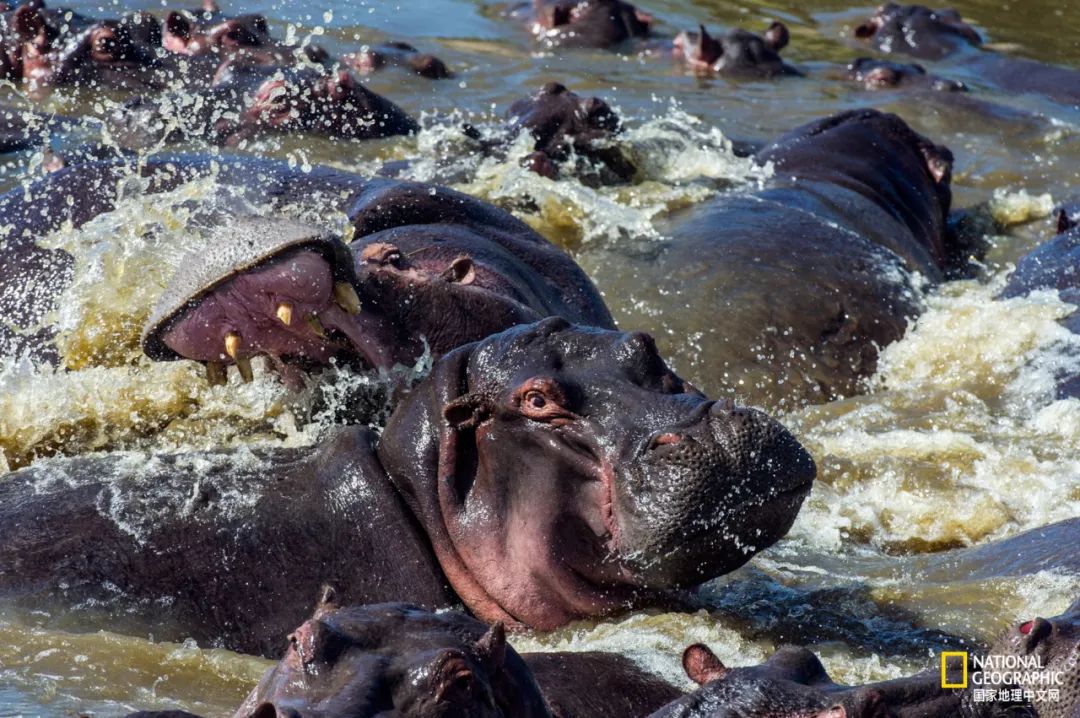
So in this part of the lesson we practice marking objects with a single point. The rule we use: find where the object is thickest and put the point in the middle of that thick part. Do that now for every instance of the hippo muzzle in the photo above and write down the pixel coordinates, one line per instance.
(703, 496)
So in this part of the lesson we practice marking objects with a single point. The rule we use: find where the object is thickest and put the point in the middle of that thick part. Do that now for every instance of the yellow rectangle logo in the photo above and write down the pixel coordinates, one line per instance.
(945, 656)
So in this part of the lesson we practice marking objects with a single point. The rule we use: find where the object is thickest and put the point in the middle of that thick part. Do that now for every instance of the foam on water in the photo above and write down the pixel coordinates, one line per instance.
(960, 439)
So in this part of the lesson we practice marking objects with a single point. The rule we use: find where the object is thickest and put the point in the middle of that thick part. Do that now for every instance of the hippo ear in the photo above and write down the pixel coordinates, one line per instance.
(492, 647)
(466, 411)
(939, 162)
(327, 602)
(777, 36)
(460, 271)
(1064, 224)
(867, 29)
(178, 25)
(702, 665)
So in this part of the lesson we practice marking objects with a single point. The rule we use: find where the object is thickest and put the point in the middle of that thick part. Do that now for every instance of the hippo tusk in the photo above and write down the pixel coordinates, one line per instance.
(346, 297)
(244, 367)
(215, 373)
(316, 326)
(232, 344)
(284, 313)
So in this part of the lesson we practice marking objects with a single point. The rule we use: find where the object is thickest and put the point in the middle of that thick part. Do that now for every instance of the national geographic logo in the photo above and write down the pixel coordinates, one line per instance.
(955, 660)
(1005, 678)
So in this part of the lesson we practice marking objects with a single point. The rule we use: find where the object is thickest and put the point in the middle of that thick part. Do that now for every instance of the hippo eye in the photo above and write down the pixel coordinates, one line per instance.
(542, 399)
(536, 400)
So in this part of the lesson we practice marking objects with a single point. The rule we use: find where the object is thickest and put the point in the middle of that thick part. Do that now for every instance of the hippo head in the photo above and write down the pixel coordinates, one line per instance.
(183, 34)
(28, 58)
(401, 54)
(737, 53)
(561, 121)
(309, 100)
(879, 156)
(917, 30)
(396, 661)
(589, 23)
(564, 472)
(1056, 644)
(876, 74)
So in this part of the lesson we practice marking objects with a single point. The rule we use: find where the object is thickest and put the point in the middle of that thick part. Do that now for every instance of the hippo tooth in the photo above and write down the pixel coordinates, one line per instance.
(316, 326)
(284, 313)
(244, 367)
(232, 344)
(346, 297)
(215, 373)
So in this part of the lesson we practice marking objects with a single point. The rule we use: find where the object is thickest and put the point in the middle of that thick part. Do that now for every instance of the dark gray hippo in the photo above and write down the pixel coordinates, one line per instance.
(583, 23)
(737, 53)
(1054, 264)
(397, 54)
(547, 473)
(426, 264)
(929, 34)
(247, 99)
(785, 295)
(399, 660)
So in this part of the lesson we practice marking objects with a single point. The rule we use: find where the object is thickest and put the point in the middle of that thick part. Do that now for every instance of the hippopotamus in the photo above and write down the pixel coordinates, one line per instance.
(544, 474)
(397, 54)
(876, 74)
(1054, 264)
(246, 99)
(563, 124)
(796, 286)
(397, 659)
(206, 32)
(584, 23)
(1055, 643)
(737, 53)
(426, 264)
(921, 32)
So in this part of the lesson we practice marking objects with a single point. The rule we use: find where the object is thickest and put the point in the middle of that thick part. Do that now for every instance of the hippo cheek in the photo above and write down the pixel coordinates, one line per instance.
(702, 498)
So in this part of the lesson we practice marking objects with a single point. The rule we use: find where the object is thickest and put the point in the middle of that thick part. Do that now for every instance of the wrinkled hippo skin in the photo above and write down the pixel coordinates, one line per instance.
(564, 123)
(801, 282)
(545, 474)
(936, 34)
(246, 100)
(737, 53)
(397, 54)
(585, 23)
(396, 659)
(461, 268)
(1054, 264)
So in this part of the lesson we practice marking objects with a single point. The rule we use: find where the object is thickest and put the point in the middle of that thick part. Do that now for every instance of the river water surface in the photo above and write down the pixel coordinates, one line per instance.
(958, 441)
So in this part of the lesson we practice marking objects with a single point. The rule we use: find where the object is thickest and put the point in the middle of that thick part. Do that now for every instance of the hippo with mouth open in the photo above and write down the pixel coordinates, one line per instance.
(544, 474)
(936, 34)
(426, 264)
(802, 281)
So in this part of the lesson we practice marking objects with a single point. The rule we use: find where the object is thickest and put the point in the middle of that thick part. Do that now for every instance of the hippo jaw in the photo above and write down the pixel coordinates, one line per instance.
(918, 31)
(288, 293)
(554, 496)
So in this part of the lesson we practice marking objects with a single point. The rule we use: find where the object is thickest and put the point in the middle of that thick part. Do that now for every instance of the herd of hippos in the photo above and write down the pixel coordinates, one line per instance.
(550, 467)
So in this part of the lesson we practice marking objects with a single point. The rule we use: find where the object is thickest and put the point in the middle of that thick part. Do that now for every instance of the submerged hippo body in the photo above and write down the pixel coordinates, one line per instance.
(544, 474)
(399, 660)
(1054, 264)
(788, 293)
(584, 23)
(459, 267)
(929, 34)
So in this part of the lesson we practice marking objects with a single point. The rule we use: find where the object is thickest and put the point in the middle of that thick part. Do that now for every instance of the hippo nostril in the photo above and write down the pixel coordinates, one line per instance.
(667, 439)
(722, 407)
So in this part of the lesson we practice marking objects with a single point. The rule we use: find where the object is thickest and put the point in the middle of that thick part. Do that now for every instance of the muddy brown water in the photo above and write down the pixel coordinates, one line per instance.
(957, 442)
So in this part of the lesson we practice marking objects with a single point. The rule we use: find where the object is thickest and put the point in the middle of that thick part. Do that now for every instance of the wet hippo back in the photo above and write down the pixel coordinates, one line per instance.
(785, 296)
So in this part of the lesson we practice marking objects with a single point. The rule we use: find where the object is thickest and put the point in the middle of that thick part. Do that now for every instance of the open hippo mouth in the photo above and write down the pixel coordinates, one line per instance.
(576, 475)
(285, 291)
